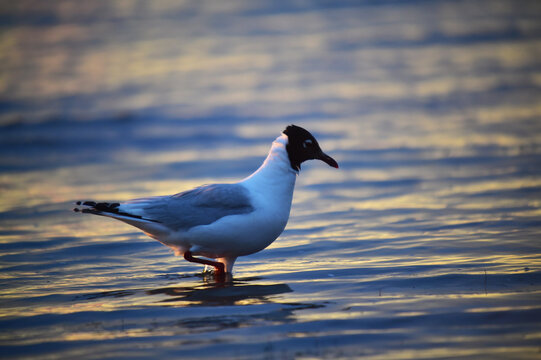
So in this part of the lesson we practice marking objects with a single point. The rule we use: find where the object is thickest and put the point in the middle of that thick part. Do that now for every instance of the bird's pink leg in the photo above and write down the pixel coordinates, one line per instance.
(220, 268)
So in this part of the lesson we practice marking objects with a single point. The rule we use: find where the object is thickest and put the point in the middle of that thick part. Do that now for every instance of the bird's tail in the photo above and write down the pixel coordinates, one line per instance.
(110, 210)
(151, 227)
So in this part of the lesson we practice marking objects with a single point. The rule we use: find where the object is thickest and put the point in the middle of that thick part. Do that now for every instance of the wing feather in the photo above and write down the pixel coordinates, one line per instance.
(200, 206)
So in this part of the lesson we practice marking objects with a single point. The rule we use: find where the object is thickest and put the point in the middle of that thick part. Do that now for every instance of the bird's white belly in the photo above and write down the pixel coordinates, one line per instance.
(232, 236)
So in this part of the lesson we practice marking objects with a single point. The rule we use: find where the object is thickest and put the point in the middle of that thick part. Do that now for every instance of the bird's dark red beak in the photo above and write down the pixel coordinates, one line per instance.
(329, 160)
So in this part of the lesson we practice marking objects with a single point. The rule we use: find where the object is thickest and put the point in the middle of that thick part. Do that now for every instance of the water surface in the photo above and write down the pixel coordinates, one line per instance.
(425, 244)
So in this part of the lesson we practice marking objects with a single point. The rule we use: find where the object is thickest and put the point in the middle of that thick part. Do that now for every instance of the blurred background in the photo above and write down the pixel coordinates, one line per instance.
(431, 108)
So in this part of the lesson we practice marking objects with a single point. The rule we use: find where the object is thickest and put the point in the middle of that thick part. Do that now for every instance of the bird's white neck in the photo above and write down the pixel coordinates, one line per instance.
(276, 171)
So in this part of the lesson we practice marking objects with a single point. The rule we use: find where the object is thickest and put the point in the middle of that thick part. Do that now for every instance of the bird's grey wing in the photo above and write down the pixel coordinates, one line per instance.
(200, 206)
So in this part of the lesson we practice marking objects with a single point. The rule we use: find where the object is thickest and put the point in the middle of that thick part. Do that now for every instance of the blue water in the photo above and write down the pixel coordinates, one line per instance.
(424, 244)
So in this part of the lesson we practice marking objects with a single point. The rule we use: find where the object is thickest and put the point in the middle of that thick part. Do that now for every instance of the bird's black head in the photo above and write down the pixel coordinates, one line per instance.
(303, 146)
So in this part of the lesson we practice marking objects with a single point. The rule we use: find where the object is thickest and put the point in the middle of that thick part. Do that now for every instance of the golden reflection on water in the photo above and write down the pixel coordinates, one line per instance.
(436, 142)
(243, 76)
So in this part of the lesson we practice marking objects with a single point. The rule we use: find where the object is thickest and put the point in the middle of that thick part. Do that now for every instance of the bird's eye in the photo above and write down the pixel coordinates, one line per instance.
(307, 143)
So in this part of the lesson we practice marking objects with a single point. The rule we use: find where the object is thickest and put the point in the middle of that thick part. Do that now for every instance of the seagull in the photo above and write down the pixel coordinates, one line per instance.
(223, 221)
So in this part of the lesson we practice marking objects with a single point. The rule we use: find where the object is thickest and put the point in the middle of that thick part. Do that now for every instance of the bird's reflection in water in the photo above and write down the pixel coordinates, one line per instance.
(213, 306)
(232, 292)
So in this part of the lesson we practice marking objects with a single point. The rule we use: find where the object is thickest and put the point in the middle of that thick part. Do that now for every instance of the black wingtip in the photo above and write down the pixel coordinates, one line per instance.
(91, 211)
(105, 209)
